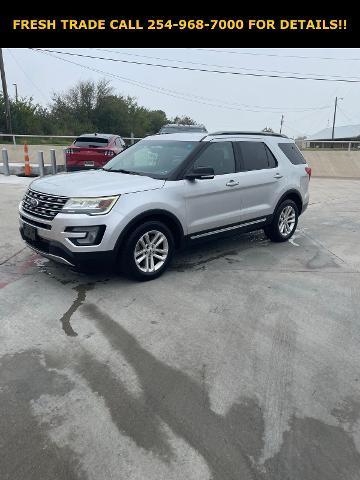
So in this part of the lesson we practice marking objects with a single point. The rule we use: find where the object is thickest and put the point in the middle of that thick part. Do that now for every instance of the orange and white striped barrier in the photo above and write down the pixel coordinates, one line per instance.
(27, 169)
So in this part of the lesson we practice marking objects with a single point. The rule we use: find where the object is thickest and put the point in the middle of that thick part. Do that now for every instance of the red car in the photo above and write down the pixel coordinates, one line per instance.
(93, 150)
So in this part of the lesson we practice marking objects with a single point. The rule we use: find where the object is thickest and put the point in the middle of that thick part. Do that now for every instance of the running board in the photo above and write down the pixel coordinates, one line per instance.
(226, 229)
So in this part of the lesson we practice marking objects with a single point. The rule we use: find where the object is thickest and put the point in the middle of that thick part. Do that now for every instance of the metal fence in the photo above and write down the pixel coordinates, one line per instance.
(352, 145)
(302, 144)
(130, 140)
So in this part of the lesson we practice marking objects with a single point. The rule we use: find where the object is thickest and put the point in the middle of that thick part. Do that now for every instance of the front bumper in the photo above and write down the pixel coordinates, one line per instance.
(59, 253)
(55, 241)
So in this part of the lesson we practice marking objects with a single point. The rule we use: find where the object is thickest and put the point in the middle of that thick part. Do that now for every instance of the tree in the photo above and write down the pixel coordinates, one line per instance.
(183, 120)
(74, 110)
(27, 116)
(86, 107)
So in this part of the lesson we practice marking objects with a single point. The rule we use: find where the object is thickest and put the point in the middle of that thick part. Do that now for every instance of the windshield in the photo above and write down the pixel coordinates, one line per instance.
(93, 142)
(157, 158)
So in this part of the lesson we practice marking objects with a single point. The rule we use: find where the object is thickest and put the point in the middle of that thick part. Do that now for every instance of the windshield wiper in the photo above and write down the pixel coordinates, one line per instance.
(120, 170)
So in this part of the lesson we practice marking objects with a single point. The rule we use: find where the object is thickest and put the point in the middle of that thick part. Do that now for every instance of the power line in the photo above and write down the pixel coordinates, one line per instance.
(176, 94)
(26, 75)
(176, 67)
(215, 65)
(275, 55)
(346, 115)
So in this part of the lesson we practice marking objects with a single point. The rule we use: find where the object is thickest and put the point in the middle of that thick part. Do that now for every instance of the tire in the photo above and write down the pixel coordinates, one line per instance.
(284, 222)
(138, 260)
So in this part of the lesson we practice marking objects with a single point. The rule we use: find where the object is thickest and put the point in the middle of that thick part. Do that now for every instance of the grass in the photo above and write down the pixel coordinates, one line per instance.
(36, 141)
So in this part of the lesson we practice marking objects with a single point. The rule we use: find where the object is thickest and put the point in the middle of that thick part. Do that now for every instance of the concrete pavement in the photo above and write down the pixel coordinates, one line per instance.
(241, 362)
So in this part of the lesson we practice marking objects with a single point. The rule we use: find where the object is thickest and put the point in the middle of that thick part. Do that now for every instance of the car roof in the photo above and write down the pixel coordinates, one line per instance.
(247, 133)
(207, 137)
(183, 136)
(103, 135)
(180, 125)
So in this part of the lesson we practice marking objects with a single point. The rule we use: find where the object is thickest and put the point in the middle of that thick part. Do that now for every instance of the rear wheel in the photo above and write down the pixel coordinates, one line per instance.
(147, 251)
(284, 222)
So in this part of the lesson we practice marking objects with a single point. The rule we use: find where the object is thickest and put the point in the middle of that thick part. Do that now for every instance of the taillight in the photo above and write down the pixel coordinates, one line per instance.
(69, 151)
(109, 153)
(308, 171)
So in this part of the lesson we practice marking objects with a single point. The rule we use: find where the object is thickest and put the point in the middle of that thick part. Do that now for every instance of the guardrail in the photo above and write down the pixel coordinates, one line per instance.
(350, 145)
(132, 139)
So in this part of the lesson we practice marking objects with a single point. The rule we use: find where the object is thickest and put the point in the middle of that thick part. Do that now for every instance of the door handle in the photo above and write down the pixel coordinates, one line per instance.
(232, 183)
(278, 175)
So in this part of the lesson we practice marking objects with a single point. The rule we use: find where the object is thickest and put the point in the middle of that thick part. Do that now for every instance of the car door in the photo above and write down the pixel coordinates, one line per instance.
(214, 202)
(261, 179)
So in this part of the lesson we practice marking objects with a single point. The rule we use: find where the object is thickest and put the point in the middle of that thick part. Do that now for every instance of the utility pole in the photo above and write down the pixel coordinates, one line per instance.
(5, 93)
(281, 123)
(16, 92)
(333, 127)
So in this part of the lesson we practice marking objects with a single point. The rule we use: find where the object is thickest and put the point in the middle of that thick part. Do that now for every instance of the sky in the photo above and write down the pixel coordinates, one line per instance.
(219, 101)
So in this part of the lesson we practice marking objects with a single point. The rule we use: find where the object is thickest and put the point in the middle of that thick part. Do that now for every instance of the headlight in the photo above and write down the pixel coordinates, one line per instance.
(90, 206)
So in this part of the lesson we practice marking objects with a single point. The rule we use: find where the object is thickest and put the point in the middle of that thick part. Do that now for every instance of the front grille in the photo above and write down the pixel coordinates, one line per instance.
(42, 205)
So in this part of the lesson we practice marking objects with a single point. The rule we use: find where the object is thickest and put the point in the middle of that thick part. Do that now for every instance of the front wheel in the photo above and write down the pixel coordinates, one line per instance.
(147, 251)
(284, 222)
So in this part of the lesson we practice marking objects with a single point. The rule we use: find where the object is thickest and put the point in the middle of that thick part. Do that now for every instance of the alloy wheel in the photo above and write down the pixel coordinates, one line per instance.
(287, 221)
(151, 251)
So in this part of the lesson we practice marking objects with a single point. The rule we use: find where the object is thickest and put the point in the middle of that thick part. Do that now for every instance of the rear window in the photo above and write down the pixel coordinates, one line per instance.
(293, 153)
(256, 156)
(91, 142)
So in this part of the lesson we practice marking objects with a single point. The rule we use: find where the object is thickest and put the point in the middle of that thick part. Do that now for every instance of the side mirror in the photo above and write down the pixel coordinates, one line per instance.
(200, 173)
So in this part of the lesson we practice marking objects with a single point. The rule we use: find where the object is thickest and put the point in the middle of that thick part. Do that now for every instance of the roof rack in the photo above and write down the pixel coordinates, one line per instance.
(269, 134)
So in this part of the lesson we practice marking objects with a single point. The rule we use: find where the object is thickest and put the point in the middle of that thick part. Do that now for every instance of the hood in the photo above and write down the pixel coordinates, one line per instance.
(94, 183)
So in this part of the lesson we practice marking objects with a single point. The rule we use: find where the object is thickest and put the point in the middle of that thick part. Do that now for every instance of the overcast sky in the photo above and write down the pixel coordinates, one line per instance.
(219, 101)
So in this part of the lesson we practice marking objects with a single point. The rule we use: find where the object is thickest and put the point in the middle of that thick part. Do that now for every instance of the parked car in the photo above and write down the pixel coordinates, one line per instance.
(166, 192)
(177, 128)
(92, 150)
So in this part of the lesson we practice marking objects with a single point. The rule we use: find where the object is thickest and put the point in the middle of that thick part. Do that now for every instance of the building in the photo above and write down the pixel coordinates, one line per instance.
(346, 133)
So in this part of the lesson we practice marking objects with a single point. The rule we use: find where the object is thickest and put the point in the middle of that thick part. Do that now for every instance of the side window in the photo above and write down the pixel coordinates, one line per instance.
(271, 158)
(219, 156)
(292, 152)
(256, 156)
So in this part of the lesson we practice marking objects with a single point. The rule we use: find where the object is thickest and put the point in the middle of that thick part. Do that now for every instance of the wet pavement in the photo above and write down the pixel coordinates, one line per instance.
(241, 362)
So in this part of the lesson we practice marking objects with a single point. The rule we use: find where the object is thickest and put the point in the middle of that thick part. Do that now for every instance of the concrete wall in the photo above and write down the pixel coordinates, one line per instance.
(16, 153)
(323, 163)
(333, 164)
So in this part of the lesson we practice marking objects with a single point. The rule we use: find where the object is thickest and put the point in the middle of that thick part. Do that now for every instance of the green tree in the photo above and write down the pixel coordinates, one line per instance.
(27, 117)
(184, 120)
(86, 107)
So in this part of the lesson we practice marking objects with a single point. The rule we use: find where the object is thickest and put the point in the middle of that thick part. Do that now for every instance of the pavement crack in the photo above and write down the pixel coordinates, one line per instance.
(320, 244)
(12, 256)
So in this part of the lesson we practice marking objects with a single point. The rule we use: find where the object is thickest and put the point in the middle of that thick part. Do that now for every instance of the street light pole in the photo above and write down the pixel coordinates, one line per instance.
(16, 92)
(5, 93)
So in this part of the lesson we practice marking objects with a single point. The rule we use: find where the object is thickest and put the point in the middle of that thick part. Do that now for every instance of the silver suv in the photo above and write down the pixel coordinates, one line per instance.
(164, 192)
